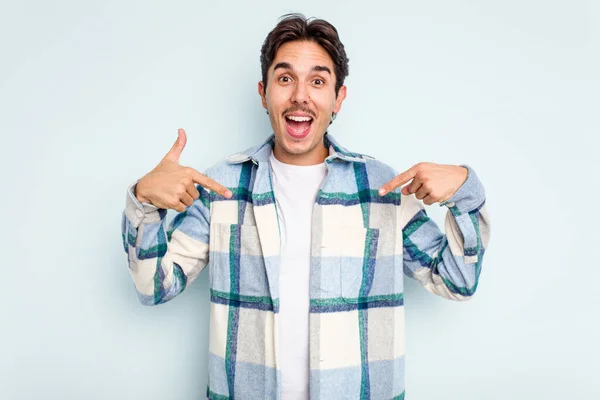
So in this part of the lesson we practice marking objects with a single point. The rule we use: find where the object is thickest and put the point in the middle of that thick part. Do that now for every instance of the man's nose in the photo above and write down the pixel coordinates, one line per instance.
(300, 94)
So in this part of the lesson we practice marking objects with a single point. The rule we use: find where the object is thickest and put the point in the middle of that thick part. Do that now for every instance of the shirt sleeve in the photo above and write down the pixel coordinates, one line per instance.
(163, 259)
(447, 264)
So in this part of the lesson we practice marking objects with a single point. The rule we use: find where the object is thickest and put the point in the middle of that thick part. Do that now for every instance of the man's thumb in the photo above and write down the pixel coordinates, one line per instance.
(175, 152)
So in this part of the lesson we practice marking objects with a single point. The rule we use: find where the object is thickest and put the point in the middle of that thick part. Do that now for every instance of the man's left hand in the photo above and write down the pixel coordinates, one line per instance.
(431, 182)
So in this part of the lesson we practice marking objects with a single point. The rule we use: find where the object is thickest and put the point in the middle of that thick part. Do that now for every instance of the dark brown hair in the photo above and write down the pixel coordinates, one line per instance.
(292, 27)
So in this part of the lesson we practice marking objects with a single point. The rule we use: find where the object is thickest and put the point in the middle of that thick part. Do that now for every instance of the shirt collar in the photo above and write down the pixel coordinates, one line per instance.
(261, 153)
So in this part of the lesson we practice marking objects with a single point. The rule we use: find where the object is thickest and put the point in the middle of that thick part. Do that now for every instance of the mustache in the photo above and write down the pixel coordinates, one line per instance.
(300, 109)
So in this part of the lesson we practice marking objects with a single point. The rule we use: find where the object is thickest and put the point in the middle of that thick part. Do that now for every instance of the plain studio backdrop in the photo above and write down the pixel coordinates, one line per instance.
(91, 96)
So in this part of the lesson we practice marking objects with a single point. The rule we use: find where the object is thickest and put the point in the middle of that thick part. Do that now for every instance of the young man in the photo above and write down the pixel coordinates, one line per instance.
(306, 256)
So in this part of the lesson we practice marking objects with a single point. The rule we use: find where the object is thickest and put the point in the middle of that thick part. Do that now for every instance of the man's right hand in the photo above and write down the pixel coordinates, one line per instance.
(172, 186)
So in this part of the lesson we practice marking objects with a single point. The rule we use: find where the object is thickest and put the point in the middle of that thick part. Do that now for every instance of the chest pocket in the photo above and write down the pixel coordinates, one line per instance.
(237, 268)
(368, 264)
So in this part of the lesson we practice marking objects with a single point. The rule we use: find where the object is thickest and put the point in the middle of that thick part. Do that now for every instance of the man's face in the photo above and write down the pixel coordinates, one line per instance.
(300, 99)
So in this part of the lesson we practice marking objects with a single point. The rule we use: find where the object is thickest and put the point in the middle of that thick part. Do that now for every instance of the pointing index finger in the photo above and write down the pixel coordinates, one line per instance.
(398, 180)
(211, 184)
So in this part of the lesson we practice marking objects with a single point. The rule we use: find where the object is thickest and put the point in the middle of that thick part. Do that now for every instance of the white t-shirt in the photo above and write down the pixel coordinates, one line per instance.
(295, 188)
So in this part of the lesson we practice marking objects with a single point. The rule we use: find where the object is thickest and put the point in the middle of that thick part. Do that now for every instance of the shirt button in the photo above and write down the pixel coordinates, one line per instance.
(139, 213)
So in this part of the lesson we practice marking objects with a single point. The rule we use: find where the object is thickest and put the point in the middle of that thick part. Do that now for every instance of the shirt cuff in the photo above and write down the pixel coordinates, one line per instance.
(470, 196)
(139, 213)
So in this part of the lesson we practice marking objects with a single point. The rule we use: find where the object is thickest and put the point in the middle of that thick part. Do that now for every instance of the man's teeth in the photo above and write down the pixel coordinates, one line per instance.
(298, 119)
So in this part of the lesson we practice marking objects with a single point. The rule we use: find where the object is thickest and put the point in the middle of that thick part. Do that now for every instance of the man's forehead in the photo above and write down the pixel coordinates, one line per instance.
(302, 56)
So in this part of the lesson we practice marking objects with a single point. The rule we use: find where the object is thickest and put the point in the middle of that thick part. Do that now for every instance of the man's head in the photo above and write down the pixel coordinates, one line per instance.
(304, 65)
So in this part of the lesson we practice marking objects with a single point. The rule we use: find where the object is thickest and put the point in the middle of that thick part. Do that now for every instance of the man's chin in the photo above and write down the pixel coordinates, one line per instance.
(298, 148)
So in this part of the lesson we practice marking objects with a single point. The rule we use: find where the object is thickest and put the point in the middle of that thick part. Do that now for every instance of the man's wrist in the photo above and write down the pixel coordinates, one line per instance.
(139, 195)
(465, 172)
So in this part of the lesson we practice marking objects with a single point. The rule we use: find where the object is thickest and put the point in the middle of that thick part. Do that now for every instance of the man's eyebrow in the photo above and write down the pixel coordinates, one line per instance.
(321, 68)
(283, 65)
(316, 68)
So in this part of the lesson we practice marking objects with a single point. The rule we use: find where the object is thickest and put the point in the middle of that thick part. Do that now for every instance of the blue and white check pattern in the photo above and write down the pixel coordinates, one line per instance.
(362, 246)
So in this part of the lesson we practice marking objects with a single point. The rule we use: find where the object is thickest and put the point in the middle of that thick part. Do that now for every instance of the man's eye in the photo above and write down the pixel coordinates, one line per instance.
(318, 82)
(284, 79)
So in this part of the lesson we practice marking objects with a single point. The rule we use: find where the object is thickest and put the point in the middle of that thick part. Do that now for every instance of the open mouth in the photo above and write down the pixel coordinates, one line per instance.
(298, 126)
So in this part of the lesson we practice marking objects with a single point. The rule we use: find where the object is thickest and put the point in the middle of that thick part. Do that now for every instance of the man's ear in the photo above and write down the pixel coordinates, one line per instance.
(341, 95)
(261, 93)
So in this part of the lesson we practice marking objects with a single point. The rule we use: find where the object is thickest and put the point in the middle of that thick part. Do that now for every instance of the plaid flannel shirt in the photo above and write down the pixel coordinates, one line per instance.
(362, 246)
